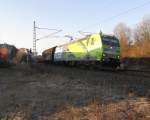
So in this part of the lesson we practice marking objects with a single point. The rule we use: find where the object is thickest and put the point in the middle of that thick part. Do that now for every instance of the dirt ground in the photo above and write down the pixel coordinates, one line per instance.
(45, 90)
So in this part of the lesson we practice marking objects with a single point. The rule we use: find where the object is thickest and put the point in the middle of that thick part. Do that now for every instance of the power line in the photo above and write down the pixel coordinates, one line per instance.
(46, 28)
(125, 12)
(47, 36)
(35, 36)
(119, 14)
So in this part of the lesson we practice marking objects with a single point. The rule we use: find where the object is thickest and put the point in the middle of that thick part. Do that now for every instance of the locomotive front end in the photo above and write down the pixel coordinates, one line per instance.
(111, 51)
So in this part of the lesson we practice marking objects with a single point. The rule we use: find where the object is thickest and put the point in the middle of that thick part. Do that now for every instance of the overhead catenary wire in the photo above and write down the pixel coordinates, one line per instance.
(116, 16)
(47, 29)
(47, 36)
(35, 39)
(126, 11)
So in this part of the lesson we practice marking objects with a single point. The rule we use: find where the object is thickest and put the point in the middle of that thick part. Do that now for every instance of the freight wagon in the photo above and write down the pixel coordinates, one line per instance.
(10, 55)
(96, 48)
(7, 52)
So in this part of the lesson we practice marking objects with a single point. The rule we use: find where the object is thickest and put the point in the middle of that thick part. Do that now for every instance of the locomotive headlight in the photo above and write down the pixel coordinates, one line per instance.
(104, 55)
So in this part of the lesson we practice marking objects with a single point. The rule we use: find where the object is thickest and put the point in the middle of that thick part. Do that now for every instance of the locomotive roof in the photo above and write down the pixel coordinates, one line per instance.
(104, 35)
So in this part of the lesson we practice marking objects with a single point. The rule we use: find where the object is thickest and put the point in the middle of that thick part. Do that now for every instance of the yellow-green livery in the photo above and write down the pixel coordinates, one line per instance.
(96, 47)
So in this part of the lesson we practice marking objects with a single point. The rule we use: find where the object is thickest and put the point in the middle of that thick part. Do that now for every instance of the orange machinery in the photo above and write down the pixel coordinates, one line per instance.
(4, 54)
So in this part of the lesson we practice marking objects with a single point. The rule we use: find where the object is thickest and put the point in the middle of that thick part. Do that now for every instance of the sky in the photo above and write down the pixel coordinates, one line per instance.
(71, 16)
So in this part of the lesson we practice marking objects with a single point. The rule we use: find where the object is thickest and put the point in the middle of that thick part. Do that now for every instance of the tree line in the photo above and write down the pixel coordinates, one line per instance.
(134, 42)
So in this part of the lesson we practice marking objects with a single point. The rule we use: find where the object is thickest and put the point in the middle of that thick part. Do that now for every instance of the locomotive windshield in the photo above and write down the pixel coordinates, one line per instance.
(110, 41)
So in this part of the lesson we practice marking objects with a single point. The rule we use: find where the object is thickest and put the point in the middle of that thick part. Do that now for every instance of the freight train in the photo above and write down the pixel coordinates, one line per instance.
(94, 49)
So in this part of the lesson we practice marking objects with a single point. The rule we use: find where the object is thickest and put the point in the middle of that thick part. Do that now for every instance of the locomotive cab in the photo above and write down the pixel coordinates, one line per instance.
(111, 50)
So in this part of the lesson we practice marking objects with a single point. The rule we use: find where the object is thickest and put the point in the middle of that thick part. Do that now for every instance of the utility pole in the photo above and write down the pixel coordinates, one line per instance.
(34, 39)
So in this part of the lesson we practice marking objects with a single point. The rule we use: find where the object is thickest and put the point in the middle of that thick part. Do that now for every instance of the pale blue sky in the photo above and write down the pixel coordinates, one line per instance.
(17, 16)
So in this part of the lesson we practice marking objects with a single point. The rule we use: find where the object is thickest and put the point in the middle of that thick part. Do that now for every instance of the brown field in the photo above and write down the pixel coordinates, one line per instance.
(52, 92)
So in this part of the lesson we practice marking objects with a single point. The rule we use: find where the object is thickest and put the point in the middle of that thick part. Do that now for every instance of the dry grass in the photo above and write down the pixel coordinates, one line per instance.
(62, 93)
(125, 110)
(131, 109)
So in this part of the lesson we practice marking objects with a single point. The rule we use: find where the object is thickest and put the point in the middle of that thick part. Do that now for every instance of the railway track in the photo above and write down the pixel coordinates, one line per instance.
(135, 70)
(103, 68)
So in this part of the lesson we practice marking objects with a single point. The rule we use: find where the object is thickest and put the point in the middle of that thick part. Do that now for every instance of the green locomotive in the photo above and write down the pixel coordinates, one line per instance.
(96, 48)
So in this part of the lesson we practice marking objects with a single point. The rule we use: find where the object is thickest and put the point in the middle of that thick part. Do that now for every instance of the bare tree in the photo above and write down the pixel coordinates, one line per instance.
(123, 32)
(142, 38)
